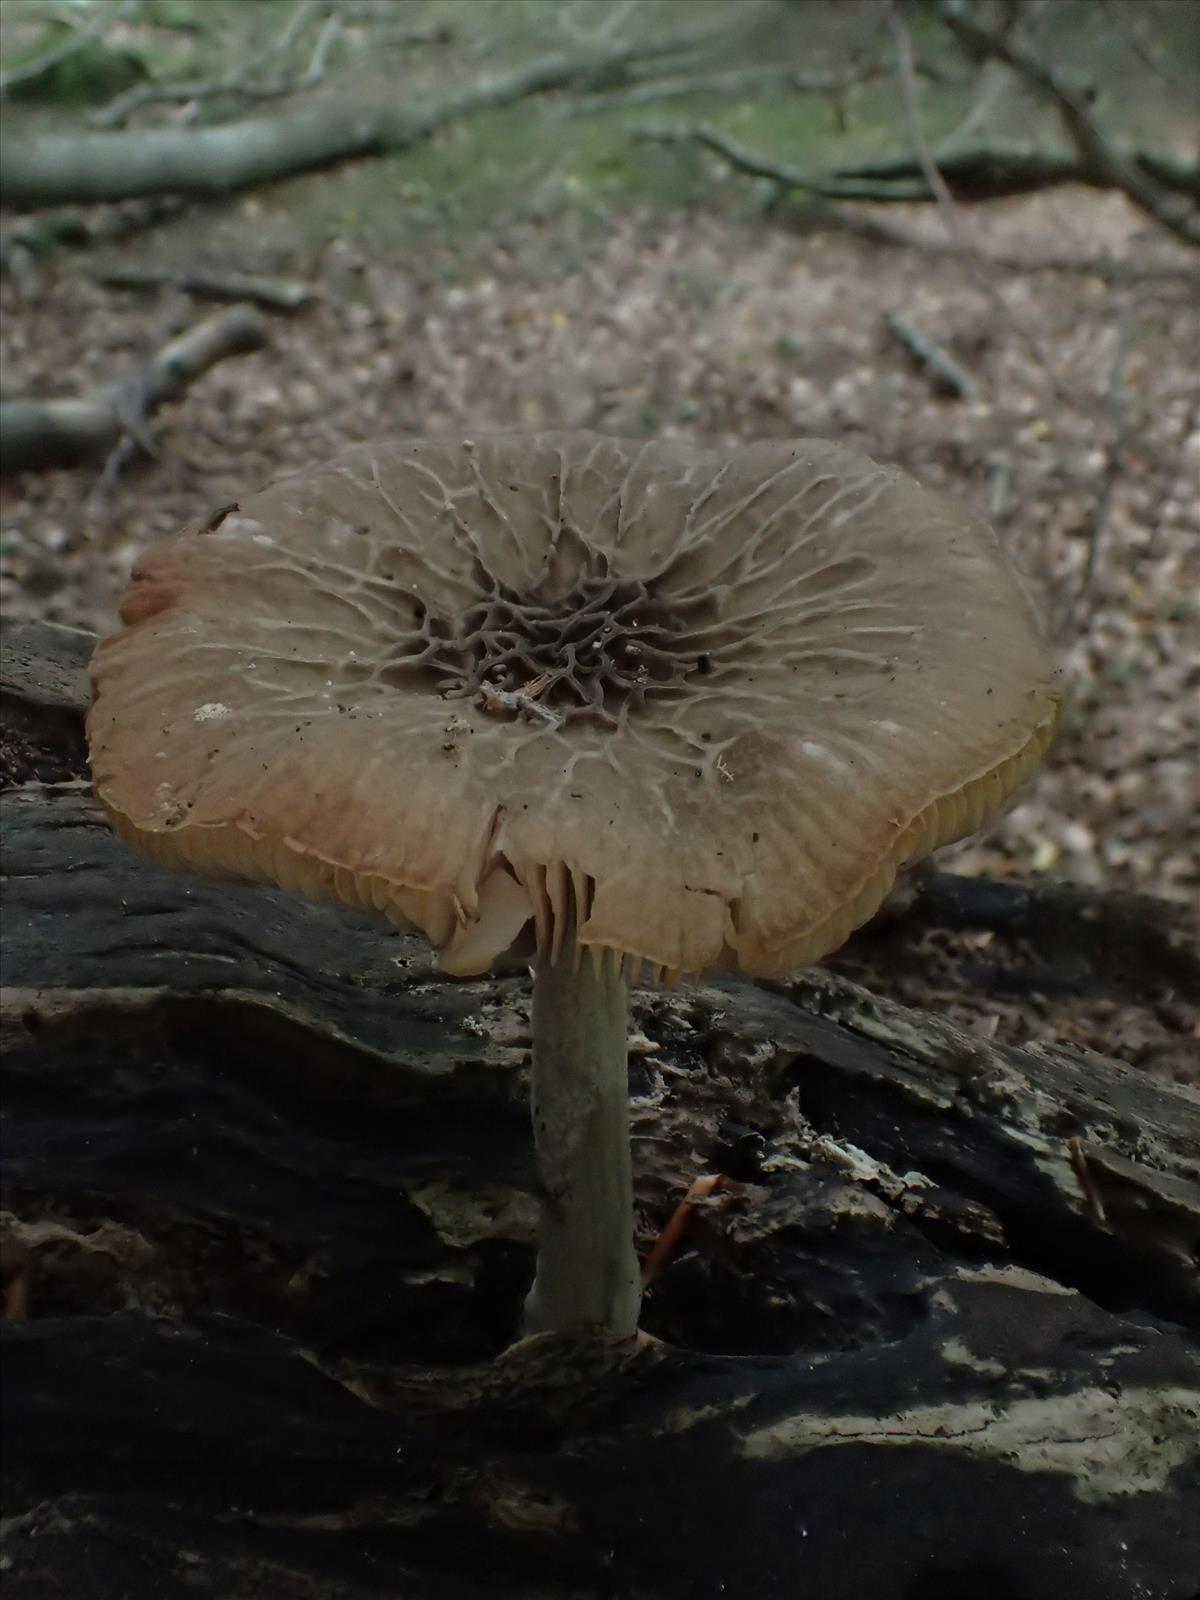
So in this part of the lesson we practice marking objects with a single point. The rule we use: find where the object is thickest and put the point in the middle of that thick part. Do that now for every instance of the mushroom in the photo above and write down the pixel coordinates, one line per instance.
(630, 709)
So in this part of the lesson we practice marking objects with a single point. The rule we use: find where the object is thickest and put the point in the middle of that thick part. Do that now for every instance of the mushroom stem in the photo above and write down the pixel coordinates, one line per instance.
(587, 1271)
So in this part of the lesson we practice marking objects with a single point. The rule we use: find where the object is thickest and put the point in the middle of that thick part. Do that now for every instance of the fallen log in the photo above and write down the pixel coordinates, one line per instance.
(57, 433)
(267, 1226)
(50, 169)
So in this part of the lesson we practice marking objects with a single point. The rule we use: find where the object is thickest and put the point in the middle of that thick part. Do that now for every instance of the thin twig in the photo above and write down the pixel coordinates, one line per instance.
(669, 1239)
(990, 87)
(241, 82)
(1182, 475)
(1136, 48)
(131, 401)
(1093, 1204)
(734, 80)
(274, 294)
(1116, 404)
(302, 12)
(945, 200)
(1093, 144)
(999, 485)
(785, 177)
(944, 372)
(314, 73)
(988, 90)
(607, 27)
(31, 71)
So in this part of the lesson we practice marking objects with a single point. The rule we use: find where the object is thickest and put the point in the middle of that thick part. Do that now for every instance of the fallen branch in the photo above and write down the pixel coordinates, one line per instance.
(55, 433)
(272, 294)
(61, 168)
(982, 174)
(1113, 168)
(945, 374)
(827, 191)
(828, 186)
(994, 172)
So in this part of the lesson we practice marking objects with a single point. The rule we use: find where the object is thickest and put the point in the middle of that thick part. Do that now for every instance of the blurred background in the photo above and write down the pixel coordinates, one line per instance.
(962, 235)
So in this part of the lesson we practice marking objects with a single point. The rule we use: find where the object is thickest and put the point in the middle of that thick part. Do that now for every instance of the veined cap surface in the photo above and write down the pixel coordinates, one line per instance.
(698, 705)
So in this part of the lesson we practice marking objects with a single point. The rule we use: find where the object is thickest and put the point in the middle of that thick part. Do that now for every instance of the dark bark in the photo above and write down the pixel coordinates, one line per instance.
(1132, 940)
(268, 1226)
(973, 175)
(995, 172)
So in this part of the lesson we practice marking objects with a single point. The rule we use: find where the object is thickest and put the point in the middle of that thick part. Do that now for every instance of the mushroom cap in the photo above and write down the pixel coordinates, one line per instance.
(696, 706)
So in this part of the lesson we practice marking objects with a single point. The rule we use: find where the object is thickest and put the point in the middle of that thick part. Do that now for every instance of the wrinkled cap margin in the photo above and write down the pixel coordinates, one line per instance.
(695, 706)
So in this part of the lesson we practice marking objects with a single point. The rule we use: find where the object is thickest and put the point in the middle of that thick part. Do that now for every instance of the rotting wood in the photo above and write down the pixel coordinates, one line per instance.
(267, 1226)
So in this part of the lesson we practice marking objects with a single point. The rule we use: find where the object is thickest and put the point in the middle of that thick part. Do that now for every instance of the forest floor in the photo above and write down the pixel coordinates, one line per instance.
(270, 1197)
(651, 296)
